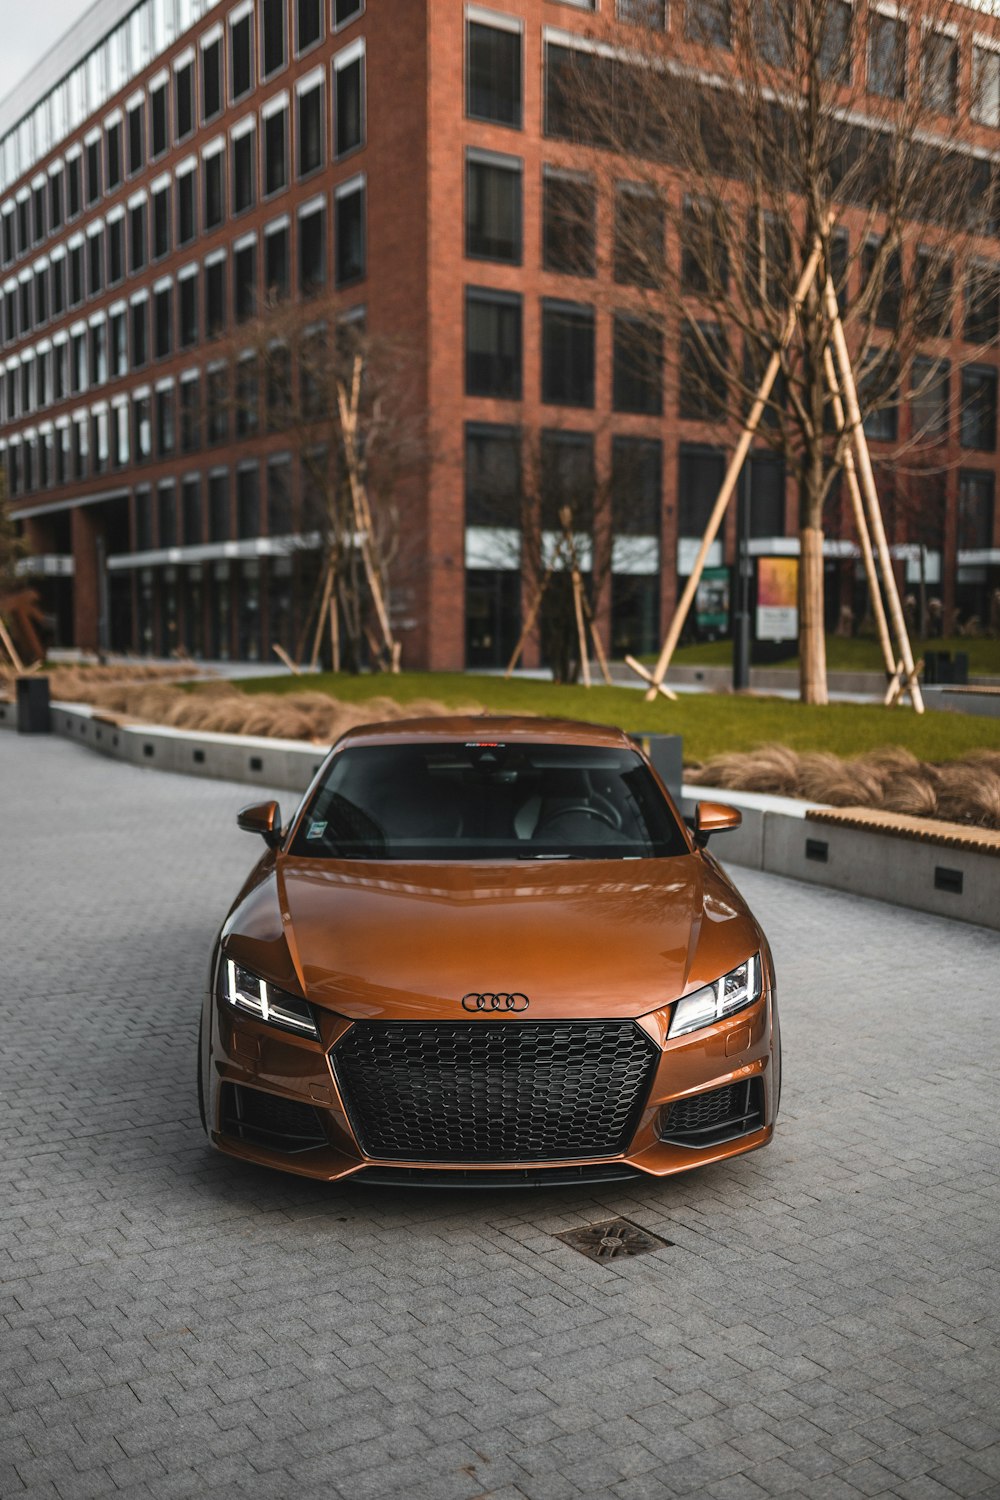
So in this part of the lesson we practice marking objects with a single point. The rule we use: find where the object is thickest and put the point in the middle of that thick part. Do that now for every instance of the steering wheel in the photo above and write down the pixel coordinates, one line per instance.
(610, 817)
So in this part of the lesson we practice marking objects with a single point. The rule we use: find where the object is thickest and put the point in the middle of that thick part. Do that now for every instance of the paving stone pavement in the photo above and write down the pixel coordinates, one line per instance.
(174, 1323)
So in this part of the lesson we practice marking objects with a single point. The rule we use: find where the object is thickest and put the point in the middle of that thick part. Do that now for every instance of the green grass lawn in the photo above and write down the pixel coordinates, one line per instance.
(857, 654)
(709, 723)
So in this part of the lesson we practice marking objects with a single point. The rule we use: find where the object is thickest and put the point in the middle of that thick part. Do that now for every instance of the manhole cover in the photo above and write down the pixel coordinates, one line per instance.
(612, 1239)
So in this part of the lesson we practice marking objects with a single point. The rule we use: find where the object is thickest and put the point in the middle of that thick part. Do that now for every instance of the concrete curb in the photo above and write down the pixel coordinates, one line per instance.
(776, 835)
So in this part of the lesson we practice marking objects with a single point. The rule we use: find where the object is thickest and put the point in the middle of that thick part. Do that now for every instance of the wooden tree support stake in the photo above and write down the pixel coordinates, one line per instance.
(10, 648)
(284, 657)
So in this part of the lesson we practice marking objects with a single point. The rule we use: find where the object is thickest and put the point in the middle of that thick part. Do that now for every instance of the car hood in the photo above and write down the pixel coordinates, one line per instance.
(408, 941)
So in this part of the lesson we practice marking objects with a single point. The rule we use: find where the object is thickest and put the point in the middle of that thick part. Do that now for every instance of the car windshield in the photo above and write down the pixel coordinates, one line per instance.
(477, 800)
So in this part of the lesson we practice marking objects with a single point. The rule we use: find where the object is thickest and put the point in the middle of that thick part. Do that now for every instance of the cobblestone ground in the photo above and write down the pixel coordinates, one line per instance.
(174, 1323)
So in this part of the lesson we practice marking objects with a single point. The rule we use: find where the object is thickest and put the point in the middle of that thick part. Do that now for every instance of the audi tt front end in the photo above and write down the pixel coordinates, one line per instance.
(488, 951)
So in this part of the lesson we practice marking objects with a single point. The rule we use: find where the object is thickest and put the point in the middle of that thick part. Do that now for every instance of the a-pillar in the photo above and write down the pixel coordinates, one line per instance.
(87, 534)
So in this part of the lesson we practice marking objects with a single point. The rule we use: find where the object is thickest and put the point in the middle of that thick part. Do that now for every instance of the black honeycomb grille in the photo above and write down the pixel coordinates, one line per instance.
(705, 1119)
(493, 1090)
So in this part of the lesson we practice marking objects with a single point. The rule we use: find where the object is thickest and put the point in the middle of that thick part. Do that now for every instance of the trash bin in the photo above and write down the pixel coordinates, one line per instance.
(666, 752)
(33, 715)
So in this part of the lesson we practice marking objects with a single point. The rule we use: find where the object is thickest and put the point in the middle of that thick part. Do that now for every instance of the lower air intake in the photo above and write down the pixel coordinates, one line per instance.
(718, 1115)
(475, 1091)
(263, 1119)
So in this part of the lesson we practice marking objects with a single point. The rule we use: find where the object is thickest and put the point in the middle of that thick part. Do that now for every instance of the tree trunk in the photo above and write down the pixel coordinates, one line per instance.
(812, 640)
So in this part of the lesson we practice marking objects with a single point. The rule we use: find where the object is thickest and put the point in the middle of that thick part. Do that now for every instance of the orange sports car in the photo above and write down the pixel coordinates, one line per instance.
(488, 951)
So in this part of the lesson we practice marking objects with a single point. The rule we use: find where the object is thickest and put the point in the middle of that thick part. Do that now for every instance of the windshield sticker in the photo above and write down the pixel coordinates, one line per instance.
(316, 830)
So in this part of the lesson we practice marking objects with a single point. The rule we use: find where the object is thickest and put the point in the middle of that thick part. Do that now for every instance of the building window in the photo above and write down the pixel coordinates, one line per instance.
(982, 304)
(245, 280)
(929, 404)
(349, 210)
(55, 200)
(835, 41)
(278, 386)
(975, 510)
(890, 291)
(116, 249)
(276, 261)
(186, 217)
(276, 150)
(100, 446)
(493, 493)
(77, 363)
(143, 520)
(636, 486)
(95, 263)
(113, 155)
(978, 425)
(241, 55)
(136, 137)
(244, 178)
(309, 127)
(703, 363)
(192, 518)
(704, 254)
(93, 172)
(274, 52)
(878, 393)
(638, 366)
(933, 292)
(81, 447)
(219, 520)
(986, 86)
(567, 478)
(248, 501)
(349, 100)
(98, 352)
(183, 100)
(493, 207)
(161, 222)
(74, 190)
(137, 216)
(215, 296)
(140, 332)
(41, 298)
(708, 22)
(312, 249)
(940, 72)
(345, 11)
(166, 434)
(217, 405)
(567, 353)
(492, 343)
(187, 297)
(638, 236)
(700, 472)
(279, 495)
(163, 306)
(308, 24)
(159, 132)
(211, 78)
(213, 196)
(493, 74)
(190, 405)
(247, 393)
(886, 55)
(643, 13)
(118, 343)
(569, 223)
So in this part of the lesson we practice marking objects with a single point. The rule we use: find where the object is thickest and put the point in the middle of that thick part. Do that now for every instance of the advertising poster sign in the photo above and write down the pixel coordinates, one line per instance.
(711, 603)
(777, 598)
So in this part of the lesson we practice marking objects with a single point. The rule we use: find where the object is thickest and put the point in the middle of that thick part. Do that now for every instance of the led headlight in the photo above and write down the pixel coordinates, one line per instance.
(255, 997)
(734, 991)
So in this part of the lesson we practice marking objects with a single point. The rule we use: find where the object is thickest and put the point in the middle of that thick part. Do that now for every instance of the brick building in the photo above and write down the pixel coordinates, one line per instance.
(170, 162)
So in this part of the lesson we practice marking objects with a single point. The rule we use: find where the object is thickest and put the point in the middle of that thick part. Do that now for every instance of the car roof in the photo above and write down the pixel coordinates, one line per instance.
(486, 727)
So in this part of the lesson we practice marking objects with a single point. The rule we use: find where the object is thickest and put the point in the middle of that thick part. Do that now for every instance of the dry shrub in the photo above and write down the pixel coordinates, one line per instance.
(962, 791)
(772, 768)
(969, 794)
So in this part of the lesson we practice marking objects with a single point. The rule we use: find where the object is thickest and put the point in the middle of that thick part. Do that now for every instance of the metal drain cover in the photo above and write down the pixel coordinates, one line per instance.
(612, 1239)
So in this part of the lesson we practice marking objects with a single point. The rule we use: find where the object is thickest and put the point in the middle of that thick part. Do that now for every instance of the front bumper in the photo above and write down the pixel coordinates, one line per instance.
(273, 1099)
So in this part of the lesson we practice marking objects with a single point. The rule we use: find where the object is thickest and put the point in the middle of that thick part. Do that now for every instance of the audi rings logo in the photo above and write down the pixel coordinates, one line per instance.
(495, 1002)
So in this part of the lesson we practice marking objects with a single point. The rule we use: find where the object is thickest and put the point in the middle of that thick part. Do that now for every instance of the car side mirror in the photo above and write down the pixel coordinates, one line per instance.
(263, 818)
(714, 817)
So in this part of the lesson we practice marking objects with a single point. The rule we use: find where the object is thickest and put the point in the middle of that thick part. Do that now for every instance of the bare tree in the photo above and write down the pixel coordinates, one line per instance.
(730, 145)
(300, 369)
